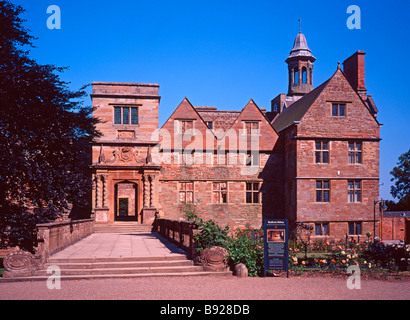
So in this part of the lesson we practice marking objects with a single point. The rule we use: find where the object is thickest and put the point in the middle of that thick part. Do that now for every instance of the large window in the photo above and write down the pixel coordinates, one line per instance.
(186, 126)
(355, 228)
(355, 152)
(126, 115)
(252, 192)
(186, 192)
(322, 191)
(322, 152)
(321, 229)
(251, 127)
(354, 191)
(219, 192)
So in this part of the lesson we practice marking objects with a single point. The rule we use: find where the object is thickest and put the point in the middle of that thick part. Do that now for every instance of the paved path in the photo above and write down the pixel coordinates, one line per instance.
(207, 288)
(116, 245)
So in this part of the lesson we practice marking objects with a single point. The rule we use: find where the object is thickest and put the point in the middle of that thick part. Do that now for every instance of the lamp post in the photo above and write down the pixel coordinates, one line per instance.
(382, 208)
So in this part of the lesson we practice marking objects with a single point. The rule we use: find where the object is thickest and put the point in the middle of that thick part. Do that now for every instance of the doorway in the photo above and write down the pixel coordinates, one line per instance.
(126, 201)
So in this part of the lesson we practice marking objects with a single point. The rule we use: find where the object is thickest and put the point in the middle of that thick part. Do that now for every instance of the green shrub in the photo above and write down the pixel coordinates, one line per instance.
(246, 247)
(210, 234)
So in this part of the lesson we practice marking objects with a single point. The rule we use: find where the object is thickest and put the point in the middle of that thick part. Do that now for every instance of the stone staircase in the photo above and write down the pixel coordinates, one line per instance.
(123, 267)
(122, 227)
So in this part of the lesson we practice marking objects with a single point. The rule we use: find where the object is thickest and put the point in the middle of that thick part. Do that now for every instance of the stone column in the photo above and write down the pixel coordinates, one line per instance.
(97, 191)
(105, 190)
(145, 178)
(152, 179)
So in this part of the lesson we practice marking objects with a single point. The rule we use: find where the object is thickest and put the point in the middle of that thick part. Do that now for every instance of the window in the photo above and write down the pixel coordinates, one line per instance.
(185, 125)
(219, 192)
(186, 192)
(251, 127)
(252, 159)
(304, 75)
(355, 228)
(338, 109)
(355, 152)
(296, 76)
(354, 191)
(210, 124)
(322, 191)
(321, 229)
(125, 115)
(322, 152)
(252, 192)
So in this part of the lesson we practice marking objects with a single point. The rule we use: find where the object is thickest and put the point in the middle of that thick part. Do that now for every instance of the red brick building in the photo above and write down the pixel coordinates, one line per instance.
(314, 158)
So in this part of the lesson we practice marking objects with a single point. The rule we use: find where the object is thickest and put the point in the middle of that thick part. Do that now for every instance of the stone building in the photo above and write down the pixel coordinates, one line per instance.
(313, 158)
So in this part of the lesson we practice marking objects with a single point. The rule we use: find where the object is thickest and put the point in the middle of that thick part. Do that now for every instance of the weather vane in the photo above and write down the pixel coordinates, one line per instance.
(300, 26)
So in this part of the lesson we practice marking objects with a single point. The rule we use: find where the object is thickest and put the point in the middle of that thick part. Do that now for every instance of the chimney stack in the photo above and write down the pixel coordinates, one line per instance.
(353, 67)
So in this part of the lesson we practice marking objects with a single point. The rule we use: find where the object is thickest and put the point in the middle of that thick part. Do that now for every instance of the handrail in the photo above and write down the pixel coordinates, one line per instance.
(178, 232)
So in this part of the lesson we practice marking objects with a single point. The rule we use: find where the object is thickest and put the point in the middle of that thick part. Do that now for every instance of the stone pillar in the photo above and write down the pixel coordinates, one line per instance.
(152, 181)
(105, 190)
(97, 191)
(145, 178)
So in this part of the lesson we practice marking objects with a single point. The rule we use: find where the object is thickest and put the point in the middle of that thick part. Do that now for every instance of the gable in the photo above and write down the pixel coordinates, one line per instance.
(251, 117)
(185, 128)
(355, 122)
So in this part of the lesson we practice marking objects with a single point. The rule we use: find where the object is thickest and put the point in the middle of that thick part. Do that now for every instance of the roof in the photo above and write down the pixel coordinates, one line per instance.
(300, 47)
(390, 214)
(297, 110)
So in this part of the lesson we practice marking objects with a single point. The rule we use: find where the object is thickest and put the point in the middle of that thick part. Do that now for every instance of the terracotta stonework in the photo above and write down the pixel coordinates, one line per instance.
(239, 167)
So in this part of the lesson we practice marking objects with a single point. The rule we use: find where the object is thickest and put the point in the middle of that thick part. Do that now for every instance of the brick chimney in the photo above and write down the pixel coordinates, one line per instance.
(353, 67)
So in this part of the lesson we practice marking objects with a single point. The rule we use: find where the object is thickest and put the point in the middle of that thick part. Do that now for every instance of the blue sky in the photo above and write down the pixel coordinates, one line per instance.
(223, 53)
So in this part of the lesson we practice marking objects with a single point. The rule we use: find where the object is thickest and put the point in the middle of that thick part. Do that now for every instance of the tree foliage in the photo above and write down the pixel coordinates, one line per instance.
(401, 177)
(45, 132)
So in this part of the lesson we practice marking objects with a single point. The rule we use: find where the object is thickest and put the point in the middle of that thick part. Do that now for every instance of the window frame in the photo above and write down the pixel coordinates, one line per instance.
(322, 189)
(338, 109)
(321, 151)
(220, 192)
(185, 191)
(353, 192)
(323, 226)
(252, 192)
(355, 225)
(352, 154)
(133, 113)
(253, 131)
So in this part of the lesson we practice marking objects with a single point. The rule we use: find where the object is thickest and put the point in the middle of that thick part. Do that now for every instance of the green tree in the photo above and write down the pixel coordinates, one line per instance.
(401, 178)
(45, 132)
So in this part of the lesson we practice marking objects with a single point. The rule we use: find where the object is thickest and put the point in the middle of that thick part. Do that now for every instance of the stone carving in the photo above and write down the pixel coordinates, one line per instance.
(214, 259)
(126, 154)
(102, 159)
(19, 263)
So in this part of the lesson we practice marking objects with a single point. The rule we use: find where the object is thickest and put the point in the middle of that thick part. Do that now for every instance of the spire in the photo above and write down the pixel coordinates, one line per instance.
(300, 47)
(300, 65)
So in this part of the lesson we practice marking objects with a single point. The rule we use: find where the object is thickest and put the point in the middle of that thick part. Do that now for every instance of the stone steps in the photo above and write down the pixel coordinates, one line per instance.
(122, 227)
(121, 267)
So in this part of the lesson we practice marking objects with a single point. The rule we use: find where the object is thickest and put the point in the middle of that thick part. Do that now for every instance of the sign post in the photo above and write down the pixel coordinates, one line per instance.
(276, 250)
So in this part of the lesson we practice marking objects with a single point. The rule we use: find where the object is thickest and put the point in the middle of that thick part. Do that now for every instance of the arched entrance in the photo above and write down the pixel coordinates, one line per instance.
(126, 201)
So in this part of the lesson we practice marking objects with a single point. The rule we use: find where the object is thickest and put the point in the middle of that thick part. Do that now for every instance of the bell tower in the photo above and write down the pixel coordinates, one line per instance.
(300, 66)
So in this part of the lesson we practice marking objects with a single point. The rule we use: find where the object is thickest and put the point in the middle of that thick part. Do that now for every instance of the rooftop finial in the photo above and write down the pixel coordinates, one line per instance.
(300, 26)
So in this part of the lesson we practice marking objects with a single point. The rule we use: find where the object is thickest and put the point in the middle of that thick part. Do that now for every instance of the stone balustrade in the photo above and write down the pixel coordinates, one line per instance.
(51, 238)
(178, 232)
